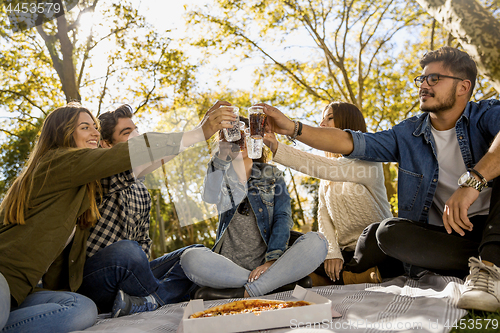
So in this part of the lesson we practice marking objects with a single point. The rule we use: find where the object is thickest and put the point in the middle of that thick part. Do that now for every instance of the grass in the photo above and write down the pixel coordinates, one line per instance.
(476, 321)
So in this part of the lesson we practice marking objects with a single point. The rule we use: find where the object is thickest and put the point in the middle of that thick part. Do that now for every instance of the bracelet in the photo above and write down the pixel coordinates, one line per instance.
(483, 180)
(295, 132)
(299, 132)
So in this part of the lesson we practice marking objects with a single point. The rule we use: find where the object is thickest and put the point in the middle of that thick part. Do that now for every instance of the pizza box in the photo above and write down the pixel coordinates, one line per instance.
(318, 312)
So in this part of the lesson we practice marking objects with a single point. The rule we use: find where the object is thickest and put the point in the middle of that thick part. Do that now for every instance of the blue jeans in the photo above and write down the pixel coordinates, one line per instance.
(124, 266)
(4, 301)
(206, 268)
(52, 311)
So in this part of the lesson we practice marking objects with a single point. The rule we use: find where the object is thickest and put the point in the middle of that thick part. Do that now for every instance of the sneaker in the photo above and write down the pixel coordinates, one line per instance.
(482, 287)
(125, 305)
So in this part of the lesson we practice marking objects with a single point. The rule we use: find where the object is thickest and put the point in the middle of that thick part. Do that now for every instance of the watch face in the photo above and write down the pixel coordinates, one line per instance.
(463, 178)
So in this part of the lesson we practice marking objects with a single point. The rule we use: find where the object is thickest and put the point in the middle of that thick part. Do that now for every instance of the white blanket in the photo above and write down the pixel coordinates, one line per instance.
(397, 305)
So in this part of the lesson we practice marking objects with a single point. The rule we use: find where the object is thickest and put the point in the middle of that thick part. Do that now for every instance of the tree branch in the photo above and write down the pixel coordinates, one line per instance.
(25, 97)
(104, 88)
(88, 9)
(10, 133)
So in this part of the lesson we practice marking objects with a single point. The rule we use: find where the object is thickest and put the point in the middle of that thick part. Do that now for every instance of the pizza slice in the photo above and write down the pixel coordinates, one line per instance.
(255, 306)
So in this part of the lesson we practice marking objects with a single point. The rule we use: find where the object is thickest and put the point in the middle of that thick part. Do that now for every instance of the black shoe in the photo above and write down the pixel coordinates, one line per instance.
(305, 282)
(209, 294)
(125, 304)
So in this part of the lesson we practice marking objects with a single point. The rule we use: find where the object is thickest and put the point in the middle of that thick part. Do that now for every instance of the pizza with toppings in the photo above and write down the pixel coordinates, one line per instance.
(255, 306)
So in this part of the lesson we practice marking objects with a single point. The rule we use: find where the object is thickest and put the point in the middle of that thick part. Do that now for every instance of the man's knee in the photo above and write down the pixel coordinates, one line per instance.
(127, 250)
(388, 233)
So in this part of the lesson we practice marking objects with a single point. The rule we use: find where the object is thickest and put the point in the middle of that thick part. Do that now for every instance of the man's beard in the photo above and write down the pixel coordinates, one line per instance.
(447, 104)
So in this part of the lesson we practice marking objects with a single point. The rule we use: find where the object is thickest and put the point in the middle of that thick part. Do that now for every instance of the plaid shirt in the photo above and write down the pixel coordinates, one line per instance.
(124, 214)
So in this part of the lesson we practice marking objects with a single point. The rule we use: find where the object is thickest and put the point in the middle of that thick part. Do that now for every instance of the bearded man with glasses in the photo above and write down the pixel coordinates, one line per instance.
(448, 181)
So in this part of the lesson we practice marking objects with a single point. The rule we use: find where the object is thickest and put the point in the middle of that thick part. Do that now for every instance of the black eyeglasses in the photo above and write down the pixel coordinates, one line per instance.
(432, 79)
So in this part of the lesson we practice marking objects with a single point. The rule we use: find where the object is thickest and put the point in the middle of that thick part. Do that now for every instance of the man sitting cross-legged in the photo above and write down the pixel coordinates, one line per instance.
(118, 276)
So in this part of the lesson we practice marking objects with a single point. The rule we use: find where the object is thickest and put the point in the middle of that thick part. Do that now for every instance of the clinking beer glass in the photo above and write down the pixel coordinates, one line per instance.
(239, 145)
(257, 119)
(254, 146)
(232, 134)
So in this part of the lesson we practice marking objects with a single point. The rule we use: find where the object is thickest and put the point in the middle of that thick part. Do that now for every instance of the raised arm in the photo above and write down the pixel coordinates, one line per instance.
(216, 118)
(214, 179)
(333, 169)
(317, 137)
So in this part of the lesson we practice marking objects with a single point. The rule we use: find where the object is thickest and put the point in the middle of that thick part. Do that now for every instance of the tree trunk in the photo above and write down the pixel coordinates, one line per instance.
(64, 65)
(298, 198)
(161, 225)
(171, 199)
(475, 28)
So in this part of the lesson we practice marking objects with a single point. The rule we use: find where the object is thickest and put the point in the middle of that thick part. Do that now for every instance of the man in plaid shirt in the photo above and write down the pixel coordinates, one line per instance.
(124, 214)
(118, 276)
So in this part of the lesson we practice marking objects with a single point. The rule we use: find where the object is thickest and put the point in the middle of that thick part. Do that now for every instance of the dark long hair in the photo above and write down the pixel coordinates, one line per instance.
(347, 116)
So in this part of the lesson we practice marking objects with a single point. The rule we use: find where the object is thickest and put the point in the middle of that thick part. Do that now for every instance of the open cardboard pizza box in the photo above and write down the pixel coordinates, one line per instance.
(320, 311)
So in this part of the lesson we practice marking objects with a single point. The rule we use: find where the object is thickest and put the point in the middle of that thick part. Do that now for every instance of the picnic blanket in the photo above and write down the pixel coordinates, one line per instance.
(396, 305)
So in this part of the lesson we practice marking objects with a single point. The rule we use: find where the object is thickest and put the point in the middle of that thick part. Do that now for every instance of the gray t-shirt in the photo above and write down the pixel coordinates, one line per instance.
(242, 242)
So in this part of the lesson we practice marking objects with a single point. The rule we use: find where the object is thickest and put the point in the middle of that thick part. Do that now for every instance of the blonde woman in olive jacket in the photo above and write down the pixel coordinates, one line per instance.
(48, 210)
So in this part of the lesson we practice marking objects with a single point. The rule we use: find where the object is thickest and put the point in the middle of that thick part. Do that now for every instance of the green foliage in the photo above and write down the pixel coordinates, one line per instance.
(39, 68)
(347, 55)
(177, 236)
(15, 151)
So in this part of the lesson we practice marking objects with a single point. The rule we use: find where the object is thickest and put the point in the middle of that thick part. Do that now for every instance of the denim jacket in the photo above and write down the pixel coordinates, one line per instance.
(411, 144)
(267, 195)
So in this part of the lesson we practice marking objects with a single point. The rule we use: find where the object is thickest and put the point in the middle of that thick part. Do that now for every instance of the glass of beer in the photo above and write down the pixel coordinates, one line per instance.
(254, 145)
(232, 134)
(257, 119)
(240, 144)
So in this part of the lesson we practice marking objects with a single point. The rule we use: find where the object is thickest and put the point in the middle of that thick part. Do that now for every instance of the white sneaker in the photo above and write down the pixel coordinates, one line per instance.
(482, 287)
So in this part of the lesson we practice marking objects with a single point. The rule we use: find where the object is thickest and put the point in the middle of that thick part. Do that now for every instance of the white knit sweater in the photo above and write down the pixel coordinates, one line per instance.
(352, 195)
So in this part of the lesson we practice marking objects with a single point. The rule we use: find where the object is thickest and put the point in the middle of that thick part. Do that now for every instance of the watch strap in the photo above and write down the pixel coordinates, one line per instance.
(483, 180)
(472, 182)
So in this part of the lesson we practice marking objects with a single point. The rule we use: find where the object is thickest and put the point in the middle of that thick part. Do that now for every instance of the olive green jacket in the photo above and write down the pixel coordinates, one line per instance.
(58, 198)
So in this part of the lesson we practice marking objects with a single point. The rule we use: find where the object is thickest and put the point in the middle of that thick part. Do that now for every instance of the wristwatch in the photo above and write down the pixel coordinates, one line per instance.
(468, 180)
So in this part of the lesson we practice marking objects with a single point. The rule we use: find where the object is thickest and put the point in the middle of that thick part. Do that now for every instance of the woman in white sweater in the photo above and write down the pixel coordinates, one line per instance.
(352, 194)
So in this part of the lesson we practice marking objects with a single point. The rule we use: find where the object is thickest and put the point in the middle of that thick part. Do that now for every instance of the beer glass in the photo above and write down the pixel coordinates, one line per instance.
(233, 134)
(257, 119)
(240, 144)
(254, 145)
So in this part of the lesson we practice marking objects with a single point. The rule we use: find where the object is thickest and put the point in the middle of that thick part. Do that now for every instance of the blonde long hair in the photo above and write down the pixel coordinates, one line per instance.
(57, 133)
